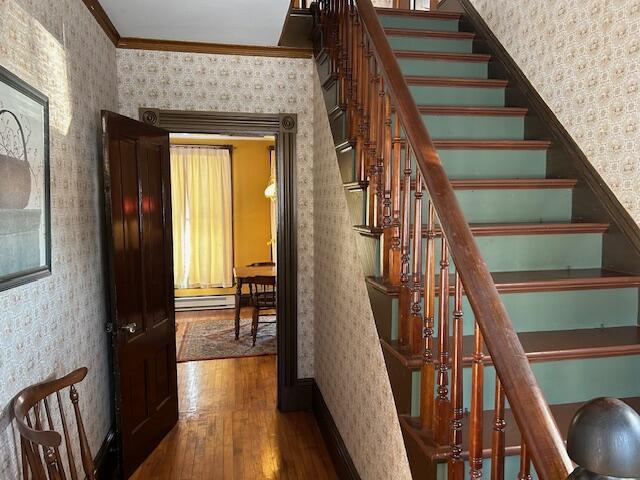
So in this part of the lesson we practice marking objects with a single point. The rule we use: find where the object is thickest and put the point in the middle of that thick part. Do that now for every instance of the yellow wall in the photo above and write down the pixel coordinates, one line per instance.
(251, 209)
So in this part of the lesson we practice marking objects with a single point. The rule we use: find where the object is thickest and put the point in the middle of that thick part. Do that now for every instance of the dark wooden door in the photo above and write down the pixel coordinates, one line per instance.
(138, 212)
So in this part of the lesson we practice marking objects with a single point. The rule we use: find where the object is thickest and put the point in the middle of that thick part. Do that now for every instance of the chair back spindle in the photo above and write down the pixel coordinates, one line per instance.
(41, 448)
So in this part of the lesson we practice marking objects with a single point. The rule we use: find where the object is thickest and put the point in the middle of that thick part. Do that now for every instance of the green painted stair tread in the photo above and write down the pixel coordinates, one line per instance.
(545, 345)
(541, 281)
(457, 91)
(563, 413)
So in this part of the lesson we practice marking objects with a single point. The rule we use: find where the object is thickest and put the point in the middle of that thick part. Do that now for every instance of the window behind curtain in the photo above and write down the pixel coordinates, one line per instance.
(201, 198)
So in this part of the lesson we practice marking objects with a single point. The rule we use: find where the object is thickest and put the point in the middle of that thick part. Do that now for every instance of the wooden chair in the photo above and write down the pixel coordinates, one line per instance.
(263, 298)
(40, 443)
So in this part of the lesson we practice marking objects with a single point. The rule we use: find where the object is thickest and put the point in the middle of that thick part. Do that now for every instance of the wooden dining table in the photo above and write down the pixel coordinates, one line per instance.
(243, 275)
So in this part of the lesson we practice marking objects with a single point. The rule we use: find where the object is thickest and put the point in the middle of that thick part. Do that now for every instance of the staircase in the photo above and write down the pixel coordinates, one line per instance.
(564, 270)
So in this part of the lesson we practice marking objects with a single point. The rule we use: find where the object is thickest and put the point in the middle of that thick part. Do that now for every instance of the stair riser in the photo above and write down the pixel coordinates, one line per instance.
(431, 44)
(517, 205)
(443, 68)
(474, 127)
(472, 164)
(419, 23)
(510, 253)
(458, 96)
(562, 381)
(559, 310)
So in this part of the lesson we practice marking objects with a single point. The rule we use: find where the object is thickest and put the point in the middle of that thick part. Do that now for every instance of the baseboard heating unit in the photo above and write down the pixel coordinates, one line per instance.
(205, 302)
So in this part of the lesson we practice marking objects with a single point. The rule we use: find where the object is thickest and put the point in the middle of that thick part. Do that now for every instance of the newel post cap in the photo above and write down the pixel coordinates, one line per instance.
(604, 439)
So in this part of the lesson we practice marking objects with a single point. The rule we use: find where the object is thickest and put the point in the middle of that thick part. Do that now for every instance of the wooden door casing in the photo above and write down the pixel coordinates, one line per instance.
(138, 211)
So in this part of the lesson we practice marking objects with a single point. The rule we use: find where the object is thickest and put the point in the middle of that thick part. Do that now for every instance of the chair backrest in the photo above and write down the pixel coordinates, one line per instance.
(263, 291)
(40, 443)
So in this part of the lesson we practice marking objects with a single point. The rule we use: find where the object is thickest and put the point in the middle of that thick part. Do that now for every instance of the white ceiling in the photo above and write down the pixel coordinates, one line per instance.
(241, 22)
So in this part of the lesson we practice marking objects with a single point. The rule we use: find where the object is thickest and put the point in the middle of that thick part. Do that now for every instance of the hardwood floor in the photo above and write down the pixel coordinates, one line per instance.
(229, 428)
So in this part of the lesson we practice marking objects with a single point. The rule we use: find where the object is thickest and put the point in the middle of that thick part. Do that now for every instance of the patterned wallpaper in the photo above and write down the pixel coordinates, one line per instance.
(349, 366)
(583, 57)
(56, 325)
(228, 83)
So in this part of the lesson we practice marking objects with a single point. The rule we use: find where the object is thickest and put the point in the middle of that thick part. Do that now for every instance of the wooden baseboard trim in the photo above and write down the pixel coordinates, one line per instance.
(338, 451)
(296, 397)
(106, 460)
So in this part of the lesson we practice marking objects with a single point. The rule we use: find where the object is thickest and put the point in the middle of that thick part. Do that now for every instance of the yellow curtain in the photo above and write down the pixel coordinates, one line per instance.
(202, 217)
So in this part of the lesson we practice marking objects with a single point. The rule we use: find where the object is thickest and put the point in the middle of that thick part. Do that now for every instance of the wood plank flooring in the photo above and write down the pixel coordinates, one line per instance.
(229, 428)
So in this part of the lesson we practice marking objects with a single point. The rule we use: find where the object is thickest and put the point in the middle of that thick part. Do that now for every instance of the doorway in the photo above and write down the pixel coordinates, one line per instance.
(224, 221)
(138, 208)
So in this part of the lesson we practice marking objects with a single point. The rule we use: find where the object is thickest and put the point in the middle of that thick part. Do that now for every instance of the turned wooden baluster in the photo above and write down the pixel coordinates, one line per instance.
(456, 465)
(443, 407)
(381, 159)
(525, 462)
(395, 255)
(372, 162)
(404, 296)
(427, 377)
(497, 439)
(342, 54)
(477, 385)
(360, 86)
(415, 320)
(387, 169)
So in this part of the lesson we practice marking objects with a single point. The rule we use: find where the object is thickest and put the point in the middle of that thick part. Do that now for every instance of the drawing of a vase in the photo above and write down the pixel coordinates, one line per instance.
(15, 175)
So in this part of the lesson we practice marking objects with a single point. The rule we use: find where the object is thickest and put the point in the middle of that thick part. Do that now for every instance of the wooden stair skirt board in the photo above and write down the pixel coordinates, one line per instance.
(528, 193)
(338, 451)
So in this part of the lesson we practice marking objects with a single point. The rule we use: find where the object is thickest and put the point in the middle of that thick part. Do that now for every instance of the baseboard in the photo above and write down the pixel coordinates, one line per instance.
(106, 458)
(338, 451)
(296, 397)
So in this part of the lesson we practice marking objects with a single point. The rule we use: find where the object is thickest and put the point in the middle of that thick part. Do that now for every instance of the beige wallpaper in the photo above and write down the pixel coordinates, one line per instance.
(55, 325)
(583, 57)
(228, 83)
(349, 366)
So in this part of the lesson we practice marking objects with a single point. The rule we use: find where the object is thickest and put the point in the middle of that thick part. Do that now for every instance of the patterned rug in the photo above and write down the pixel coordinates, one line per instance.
(207, 337)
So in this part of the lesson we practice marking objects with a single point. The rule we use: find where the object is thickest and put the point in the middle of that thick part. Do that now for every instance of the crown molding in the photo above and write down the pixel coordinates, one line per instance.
(212, 48)
(189, 47)
(103, 20)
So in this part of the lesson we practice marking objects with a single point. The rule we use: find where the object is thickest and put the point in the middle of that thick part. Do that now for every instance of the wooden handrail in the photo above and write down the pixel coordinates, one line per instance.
(544, 444)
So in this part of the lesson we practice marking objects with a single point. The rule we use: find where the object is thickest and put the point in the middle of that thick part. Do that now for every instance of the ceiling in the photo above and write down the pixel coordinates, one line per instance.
(240, 22)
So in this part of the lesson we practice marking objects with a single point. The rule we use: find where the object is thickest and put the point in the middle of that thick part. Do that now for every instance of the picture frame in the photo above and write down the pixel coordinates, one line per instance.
(25, 203)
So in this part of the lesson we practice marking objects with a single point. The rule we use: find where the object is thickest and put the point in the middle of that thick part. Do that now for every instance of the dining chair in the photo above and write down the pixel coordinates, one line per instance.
(40, 441)
(262, 291)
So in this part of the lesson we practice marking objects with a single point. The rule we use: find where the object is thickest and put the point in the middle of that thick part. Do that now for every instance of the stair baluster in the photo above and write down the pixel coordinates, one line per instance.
(498, 439)
(387, 167)
(415, 329)
(456, 465)
(477, 388)
(427, 378)
(525, 462)
(404, 293)
(443, 407)
(395, 256)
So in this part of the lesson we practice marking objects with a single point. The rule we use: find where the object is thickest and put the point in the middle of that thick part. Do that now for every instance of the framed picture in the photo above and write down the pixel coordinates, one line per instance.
(25, 219)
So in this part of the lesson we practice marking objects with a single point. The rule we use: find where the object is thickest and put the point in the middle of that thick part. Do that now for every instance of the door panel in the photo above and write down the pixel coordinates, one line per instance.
(138, 211)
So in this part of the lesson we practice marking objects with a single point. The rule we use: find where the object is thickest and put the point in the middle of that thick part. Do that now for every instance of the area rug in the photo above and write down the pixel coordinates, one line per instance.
(211, 338)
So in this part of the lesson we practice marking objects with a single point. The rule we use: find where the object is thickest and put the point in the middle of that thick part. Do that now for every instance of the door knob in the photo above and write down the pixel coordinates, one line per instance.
(130, 327)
